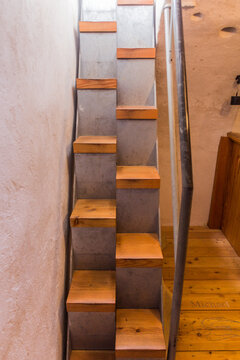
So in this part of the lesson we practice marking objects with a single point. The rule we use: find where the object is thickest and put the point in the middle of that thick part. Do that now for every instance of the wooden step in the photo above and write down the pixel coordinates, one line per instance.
(138, 250)
(139, 334)
(135, 2)
(137, 177)
(136, 113)
(97, 26)
(94, 213)
(96, 84)
(92, 355)
(92, 291)
(95, 145)
(136, 53)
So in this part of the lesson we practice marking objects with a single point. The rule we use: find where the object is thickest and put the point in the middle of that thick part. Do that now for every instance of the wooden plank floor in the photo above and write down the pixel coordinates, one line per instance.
(210, 316)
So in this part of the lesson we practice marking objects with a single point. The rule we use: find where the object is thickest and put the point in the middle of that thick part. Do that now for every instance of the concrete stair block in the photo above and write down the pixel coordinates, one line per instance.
(92, 355)
(104, 10)
(132, 151)
(138, 270)
(94, 248)
(98, 55)
(138, 288)
(91, 310)
(135, 26)
(95, 176)
(92, 330)
(97, 112)
(136, 82)
(137, 210)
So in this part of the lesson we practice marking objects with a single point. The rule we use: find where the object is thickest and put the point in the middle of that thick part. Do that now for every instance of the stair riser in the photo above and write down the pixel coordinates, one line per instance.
(137, 21)
(131, 151)
(92, 330)
(105, 10)
(136, 82)
(96, 176)
(97, 112)
(137, 210)
(138, 288)
(94, 248)
(98, 55)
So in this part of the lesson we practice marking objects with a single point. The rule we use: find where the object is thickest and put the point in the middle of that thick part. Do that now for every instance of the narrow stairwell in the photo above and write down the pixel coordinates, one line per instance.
(114, 300)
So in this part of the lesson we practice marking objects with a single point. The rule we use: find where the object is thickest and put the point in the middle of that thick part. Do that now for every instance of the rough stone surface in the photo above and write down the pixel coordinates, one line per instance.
(38, 70)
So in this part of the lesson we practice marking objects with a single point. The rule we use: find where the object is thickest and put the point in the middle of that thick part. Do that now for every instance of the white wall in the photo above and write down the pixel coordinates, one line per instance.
(212, 64)
(38, 69)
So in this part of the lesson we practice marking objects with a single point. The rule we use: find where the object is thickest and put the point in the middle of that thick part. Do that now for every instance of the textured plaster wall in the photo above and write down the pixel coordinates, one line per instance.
(38, 70)
(212, 64)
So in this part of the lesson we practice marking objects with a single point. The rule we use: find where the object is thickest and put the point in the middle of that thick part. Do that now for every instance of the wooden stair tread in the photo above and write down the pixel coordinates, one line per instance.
(139, 333)
(96, 84)
(94, 213)
(136, 113)
(136, 53)
(92, 355)
(135, 2)
(97, 26)
(137, 177)
(95, 145)
(138, 250)
(92, 290)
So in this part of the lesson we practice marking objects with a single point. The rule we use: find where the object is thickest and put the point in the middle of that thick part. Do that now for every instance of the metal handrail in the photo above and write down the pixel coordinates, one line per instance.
(187, 177)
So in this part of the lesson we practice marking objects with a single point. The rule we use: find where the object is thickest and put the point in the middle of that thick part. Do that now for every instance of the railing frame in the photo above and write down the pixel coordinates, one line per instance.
(186, 162)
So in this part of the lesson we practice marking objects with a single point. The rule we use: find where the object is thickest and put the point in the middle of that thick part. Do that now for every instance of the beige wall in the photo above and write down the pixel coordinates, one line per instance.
(212, 64)
(38, 69)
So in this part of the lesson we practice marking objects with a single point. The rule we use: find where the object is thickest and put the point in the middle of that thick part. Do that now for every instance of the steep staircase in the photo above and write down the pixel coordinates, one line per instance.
(114, 300)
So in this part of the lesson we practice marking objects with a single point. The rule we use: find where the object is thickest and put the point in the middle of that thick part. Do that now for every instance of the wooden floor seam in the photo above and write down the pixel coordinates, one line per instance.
(210, 314)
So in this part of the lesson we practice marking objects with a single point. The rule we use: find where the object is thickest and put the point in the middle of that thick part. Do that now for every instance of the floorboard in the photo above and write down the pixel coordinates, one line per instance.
(210, 316)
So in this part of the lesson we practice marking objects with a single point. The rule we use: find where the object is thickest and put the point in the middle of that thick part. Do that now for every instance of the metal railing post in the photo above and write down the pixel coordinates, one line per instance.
(186, 170)
(172, 123)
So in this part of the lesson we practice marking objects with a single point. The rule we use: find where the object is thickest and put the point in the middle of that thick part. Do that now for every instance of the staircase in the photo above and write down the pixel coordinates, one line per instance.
(114, 300)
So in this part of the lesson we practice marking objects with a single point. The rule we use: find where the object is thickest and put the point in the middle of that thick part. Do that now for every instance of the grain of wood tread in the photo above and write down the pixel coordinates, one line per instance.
(94, 213)
(137, 177)
(96, 84)
(97, 26)
(92, 291)
(136, 113)
(136, 53)
(95, 145)
(139, 334)
(138, 250)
